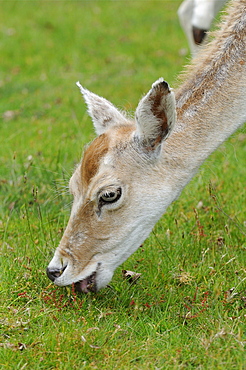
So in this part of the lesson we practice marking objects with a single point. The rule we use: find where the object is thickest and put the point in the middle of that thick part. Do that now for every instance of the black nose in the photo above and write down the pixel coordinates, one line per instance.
(54, 273)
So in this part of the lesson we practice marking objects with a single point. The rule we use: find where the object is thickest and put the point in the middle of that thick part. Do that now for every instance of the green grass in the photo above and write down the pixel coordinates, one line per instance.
(188, 309)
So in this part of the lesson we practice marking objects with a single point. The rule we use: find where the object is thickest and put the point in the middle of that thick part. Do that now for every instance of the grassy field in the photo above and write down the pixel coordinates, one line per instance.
(187, 311)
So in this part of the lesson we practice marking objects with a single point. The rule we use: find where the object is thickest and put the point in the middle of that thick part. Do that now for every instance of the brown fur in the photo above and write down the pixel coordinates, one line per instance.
(161, 115)
(91, 159)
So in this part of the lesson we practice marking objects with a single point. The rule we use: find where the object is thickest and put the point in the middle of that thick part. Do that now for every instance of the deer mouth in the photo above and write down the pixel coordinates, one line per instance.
(87, 285)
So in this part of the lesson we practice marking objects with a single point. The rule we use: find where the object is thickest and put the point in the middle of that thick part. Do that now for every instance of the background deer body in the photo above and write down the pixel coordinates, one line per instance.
(196, 17)
(134, 170)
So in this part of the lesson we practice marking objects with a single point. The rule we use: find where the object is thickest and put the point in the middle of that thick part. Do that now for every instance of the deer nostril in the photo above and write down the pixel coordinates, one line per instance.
(54, 273)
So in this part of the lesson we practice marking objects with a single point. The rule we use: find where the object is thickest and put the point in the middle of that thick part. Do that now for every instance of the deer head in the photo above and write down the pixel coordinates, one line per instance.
(118, 195)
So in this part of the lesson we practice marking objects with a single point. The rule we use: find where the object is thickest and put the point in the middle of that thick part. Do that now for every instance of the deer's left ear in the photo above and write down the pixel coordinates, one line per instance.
(155, 115)
(103, 113)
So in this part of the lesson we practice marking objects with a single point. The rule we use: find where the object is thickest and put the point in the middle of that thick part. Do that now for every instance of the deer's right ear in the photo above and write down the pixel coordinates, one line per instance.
(155, 116)
(103, 113)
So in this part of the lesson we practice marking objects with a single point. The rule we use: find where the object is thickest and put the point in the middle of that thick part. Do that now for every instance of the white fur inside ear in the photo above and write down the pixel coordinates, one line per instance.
(103, 113)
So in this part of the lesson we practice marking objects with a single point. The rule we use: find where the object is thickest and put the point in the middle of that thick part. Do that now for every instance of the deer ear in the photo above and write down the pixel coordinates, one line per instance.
(103, 113)
(155, 115)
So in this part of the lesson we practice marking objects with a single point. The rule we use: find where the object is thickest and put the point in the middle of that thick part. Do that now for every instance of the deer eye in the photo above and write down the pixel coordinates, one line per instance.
(110, 196)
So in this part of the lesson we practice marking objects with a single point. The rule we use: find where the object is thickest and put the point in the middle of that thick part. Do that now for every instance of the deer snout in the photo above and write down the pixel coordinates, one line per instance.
(55, 273)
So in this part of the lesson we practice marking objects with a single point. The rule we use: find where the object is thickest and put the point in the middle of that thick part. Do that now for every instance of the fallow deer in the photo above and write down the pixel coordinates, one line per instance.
(136, 168)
